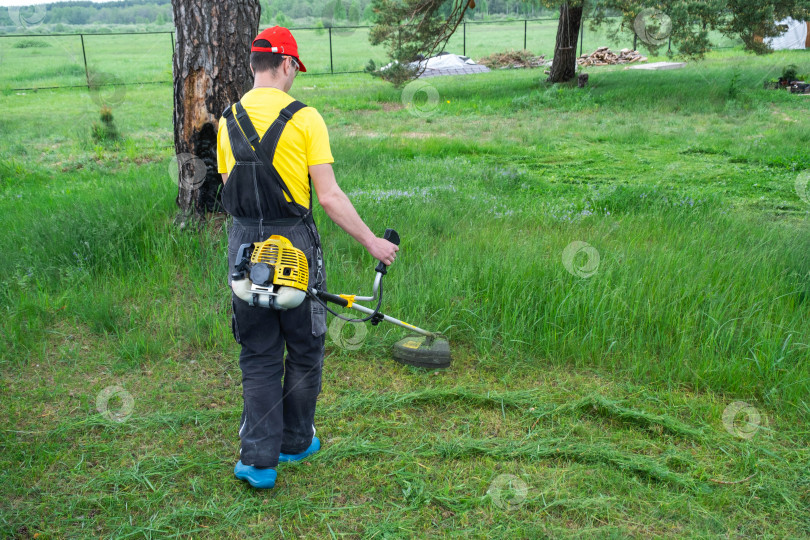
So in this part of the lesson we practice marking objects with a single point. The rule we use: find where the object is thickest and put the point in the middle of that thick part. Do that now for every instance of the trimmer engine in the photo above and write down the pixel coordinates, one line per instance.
(271, 274)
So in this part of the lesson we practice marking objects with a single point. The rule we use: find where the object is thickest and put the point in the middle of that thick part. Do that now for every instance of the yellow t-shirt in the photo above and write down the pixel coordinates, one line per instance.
(304, 141)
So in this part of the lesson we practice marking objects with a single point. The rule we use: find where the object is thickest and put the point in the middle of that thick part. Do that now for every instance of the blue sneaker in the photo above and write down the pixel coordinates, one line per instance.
(258, 478)
(314, 447)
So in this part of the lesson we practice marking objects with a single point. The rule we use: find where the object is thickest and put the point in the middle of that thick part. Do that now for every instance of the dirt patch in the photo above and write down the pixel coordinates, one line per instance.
(359, 133)
(415, 135)
(783, 116)
(375, 135)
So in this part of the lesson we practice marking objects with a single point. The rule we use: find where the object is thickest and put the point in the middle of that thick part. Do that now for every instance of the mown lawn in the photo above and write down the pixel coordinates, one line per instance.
(588, 388)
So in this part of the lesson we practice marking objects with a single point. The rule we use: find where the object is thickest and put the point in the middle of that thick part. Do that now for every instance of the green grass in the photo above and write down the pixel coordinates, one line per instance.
(603, 396)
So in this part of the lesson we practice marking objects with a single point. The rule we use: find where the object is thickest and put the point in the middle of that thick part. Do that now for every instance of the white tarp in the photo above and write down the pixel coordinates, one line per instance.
(444, 61)
(794, 38)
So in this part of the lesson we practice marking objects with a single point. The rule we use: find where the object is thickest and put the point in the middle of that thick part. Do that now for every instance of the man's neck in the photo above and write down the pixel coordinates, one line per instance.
(276, 86)
(265, 80)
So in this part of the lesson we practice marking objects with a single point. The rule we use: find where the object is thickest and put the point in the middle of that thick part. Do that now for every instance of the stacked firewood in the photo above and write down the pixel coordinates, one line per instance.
(603, 56)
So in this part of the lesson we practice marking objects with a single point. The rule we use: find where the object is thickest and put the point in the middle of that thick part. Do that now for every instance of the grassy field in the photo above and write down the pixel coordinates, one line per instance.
(41, 61)
(652, 384)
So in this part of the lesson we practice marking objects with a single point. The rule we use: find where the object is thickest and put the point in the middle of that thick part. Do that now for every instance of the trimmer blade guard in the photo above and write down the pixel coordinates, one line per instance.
(423, 352)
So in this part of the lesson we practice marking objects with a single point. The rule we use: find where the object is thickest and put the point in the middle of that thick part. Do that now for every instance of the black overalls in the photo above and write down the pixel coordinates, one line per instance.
(274, 418)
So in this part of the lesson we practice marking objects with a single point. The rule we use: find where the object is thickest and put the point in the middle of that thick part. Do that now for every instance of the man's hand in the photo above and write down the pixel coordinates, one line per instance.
(383, 250)
(340, 210)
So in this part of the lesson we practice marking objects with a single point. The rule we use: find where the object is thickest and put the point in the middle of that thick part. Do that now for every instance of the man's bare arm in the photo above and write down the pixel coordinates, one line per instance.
(341, 210)
(224, 177)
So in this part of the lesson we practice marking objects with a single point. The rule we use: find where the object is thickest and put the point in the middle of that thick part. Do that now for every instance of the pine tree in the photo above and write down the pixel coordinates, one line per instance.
(411, 27)
(211, 70)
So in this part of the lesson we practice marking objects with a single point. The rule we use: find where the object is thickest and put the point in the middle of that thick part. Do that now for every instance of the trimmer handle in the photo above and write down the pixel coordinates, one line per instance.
(335, 299)
(392, 236)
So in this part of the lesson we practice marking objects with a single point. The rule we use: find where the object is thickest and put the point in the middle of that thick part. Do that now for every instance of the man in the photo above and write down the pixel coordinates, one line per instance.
(277, 422)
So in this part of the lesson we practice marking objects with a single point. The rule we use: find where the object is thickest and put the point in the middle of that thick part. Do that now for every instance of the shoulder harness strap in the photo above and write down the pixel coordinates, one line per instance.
(272, 135)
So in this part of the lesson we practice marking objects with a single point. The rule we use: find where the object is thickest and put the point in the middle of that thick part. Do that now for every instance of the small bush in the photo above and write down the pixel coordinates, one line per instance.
(106, 131)
(734, 84)
(31, 44)
(790, 73)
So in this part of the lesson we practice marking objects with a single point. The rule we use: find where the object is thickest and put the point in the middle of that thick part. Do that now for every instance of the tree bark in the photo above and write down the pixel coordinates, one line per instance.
(211, 68)
(564, 65)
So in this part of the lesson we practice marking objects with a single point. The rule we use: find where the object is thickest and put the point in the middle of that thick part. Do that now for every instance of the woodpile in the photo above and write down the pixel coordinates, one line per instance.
(603, 56)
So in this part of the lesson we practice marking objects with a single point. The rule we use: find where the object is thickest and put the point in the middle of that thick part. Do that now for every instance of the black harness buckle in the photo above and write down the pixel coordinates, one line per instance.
(286, 114)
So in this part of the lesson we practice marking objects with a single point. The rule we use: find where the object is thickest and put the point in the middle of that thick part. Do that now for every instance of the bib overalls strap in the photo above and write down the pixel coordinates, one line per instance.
(255, 192)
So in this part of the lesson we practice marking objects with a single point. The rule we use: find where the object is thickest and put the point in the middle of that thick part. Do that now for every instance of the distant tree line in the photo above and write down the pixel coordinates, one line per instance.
(82, 13)
(285, 12)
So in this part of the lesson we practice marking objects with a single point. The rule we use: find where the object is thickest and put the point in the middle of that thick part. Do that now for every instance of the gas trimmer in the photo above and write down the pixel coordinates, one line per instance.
(274, 274)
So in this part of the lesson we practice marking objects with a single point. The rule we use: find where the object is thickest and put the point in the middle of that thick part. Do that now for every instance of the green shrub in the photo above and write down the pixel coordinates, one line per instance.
(106, 131)
(791, 72)
(31, 44)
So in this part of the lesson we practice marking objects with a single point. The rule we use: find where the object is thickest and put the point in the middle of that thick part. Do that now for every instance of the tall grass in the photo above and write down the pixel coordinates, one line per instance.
(692, 288)
(603, 389)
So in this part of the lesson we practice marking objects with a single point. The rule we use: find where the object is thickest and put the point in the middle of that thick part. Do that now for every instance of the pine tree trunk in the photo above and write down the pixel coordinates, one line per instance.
(564, 65)
(211, 70)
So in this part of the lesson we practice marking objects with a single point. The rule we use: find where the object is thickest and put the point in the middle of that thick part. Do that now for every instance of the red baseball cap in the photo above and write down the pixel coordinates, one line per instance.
(281, 42)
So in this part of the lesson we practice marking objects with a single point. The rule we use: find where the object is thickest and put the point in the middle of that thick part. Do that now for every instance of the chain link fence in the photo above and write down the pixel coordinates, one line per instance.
(44, 61)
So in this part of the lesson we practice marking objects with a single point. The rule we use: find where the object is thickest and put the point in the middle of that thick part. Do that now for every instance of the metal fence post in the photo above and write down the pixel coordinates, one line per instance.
(464, 33)
(172, 34)
(525, 31)
(84, 55)
(331, 63)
